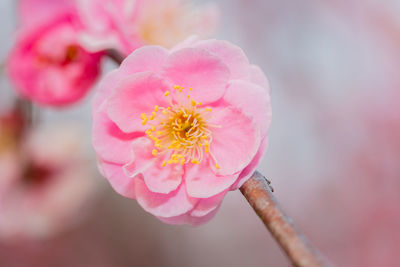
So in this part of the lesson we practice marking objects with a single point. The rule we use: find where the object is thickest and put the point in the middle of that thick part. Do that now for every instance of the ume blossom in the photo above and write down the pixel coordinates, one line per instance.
(47, 63)
(177, 129)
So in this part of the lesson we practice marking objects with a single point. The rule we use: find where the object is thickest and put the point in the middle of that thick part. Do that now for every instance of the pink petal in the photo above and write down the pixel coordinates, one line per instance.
(109, 142)
(121, 183)
(252, 100)
(157, 178)
(141, 158)
(235, 143)
(232, 55)
(257, 76)
(187, 219)
(147, 58)
(105, 88)
(135, 95)
(163, 179)
(207, 205)
(202, 182)
(251, 168)
(198, 69)
(32, 12)
(188, 42)
(164, 205)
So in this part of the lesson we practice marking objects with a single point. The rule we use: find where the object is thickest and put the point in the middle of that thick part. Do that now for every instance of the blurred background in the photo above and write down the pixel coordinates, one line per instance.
(333, 158)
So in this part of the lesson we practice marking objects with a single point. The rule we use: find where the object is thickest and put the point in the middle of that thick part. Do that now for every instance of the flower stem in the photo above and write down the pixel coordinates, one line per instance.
(258, 193)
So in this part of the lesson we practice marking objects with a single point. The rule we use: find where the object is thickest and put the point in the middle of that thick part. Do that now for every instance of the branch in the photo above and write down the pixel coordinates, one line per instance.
(115, 56)
(259, 194)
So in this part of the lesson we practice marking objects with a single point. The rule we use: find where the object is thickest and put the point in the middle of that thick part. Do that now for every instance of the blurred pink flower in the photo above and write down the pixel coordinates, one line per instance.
(47, 65)
(128, 24)
(178, 129)
(43, 187)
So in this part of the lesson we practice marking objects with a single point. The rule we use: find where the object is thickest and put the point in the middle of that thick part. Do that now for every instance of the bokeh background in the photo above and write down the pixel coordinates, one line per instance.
(334, 69)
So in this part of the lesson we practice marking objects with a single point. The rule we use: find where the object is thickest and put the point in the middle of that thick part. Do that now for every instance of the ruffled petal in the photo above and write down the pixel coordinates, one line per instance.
(188, 219)
(163, 205)
(202, 182)
(157, 178)
(232, 55)
(105, 88)
(121, 183)
(149, 58)
(251, 168)
(257, 76)
(252, 100)
(198, 69)
(135, 95)
(140, 157)
(207, 205)
(109, 142)
(146, 58)
(235, 142)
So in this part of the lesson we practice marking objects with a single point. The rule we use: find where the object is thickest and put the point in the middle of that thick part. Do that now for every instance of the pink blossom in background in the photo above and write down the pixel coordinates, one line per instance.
(178, 129)
(44, 188)
(47, 64)
(128, 24)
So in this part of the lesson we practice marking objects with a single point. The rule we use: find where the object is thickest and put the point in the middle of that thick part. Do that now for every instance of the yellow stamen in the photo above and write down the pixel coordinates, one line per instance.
(182, 129)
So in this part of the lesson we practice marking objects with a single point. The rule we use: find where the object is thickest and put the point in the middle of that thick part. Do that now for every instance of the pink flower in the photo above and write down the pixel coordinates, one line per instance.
(45, 184)
(128, 24)
(47, 64)
(178, 129)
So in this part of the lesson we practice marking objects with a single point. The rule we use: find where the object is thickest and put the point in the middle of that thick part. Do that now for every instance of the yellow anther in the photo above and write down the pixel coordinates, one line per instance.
(203, 137)
(153, 115)
(217, 166)
(188, 96)
(193, 102)
(153, 128)
(158, 133)
(143, 116)
(208, 109)
(182, 161)
(200, 103)
(176, 87)
(195, 161)
(164, 163)
(164, 112)
(190, 89)
(166, 93)
(156, 108)
(169, 108)
(144, 122)
(154, 152)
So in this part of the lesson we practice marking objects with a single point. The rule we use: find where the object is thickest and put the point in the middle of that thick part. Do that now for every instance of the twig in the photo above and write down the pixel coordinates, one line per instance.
(115, 56)
(258, 193)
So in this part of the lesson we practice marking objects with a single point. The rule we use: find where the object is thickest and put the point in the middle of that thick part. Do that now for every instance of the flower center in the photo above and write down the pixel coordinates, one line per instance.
(180, 129)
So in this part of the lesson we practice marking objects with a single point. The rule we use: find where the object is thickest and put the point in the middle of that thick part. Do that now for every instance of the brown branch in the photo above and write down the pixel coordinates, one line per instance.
(258, 193)
(115, 56)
